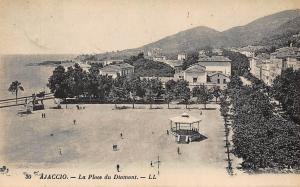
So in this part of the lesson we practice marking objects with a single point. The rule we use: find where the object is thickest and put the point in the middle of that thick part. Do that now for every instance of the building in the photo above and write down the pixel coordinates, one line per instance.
(216, 64)
(181, 56)
(255, 64)
(288, 55)
(270, 69)
(122, 69)
(266, 69)
(218, 79)
(249, 51)
(293, 63)
(159, 58)
(218, 52)
(195, 75)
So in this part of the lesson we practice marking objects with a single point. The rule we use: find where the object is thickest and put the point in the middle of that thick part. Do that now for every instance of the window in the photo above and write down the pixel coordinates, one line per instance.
(224, 81)
(218, 81)
(194, 79)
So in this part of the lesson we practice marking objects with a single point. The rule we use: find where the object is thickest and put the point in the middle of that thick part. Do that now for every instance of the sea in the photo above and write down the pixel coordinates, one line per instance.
(24, 68)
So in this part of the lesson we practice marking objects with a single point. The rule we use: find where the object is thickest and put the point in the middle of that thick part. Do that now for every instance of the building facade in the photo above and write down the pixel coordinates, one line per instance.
(218, 79)
(195, 75)
(216, 64)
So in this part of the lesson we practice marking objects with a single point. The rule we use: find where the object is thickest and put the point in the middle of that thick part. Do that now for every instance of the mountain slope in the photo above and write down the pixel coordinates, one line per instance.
(260, 31)
(260, 28)
(284, 34)
(188, 40)
(252, 33)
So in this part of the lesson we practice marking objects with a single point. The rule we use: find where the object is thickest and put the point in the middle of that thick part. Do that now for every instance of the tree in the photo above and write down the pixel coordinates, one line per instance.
(153, 89)
(117, 94)
(286, 89)
(239, 62)
(14, 87)
(182, 91)
(208, 51)
(216, 91)
(133, 86)
(192, 58)
(58, 82)
(203, 94)
(169, 91)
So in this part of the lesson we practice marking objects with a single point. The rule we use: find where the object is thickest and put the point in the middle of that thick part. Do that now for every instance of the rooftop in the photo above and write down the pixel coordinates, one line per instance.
(287, 52)
(214, 74)
(213, 59)
(116, 67)
(196, 68)
(215, 63)
(185, 119)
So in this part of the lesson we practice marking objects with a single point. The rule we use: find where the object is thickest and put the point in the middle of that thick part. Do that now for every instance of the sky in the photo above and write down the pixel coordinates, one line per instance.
(96, 26)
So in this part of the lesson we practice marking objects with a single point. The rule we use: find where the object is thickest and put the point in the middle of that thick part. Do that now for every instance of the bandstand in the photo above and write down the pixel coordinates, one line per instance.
(185, 128)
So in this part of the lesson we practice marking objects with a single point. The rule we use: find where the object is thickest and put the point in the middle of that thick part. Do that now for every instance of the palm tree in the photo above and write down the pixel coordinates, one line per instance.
(14, 87)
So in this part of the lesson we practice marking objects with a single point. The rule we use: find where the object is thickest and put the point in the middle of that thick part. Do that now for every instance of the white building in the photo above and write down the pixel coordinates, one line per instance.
(122, 69)
(216, 64)
(181, 56)
(195, 75)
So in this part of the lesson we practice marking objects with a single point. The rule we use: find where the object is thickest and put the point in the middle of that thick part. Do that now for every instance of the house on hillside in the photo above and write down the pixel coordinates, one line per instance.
(216, 64)
(122, 69)
(181, 56)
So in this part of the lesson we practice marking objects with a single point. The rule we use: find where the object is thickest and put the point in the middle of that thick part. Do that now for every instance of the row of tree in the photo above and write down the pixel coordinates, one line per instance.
(75, 82)
(261, 137)
(286, 89)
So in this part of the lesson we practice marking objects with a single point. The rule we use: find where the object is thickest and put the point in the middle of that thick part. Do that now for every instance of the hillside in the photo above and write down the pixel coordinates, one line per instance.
(284, 34)
(148, 68)
(189, 40)
(260, 28)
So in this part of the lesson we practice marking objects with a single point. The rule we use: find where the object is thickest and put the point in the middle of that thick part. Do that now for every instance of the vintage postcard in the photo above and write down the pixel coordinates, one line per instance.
(149, 93)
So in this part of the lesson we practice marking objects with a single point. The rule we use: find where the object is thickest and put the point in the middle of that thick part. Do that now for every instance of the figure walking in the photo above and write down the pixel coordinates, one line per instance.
(74, 122)
(178, 151)
(121, 135)
(167, 132)
(151, 164)
(60, 151)
(118, 167)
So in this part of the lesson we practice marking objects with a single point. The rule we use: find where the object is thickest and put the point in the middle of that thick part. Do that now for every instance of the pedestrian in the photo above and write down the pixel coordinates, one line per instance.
(60, 151)
(121, 135)
(200, 113)
(151, 164)
(178, 150)
(74, 122)
(118, 167)
(42, 115)
(167, 132)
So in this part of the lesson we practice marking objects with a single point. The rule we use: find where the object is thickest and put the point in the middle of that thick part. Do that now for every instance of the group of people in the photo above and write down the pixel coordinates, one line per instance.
(43, 115)
(80, 107)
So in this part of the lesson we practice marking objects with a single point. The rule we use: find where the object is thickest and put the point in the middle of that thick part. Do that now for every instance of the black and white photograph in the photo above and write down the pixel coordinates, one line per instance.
(149, 93)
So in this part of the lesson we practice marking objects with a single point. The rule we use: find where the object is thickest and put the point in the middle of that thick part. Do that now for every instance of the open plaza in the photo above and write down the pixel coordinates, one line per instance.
(72, 137)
